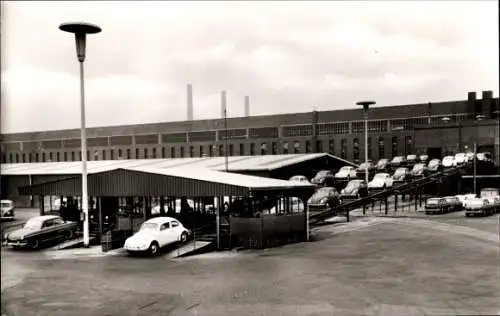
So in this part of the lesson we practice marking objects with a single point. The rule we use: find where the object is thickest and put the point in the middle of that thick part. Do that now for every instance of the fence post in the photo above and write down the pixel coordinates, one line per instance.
(396, 202)
(386, 205)
(347, 216)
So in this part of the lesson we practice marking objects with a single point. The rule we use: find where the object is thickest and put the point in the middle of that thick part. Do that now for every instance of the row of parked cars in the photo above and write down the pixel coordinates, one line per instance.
(487, 203)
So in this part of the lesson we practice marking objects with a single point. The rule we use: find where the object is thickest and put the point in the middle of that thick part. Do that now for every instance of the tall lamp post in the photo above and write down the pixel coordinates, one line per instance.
(81, 30)
(366, 105)
(478, 118)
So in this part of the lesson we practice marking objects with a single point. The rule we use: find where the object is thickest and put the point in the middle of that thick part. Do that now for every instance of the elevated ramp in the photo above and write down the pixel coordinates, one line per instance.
(73, 243)
(190, 248)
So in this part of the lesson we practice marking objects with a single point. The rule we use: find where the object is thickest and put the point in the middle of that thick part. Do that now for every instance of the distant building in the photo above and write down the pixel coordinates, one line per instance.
(434, 128)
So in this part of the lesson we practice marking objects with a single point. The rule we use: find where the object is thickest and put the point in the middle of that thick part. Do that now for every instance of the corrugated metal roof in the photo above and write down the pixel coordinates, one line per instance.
(236, 163)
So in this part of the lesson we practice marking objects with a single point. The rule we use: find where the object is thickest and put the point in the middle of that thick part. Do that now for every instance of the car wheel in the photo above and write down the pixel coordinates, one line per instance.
(35, 244)
(153, 248)
(184, 237)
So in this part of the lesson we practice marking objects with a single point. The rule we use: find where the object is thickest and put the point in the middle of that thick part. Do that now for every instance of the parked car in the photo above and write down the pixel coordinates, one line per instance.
(470, 156)
(401, 175)
(300, 179)
(434, 165)
(354, 189)
(486, 204)
(484, 156)
(7, 210)
(398, 161)
(423, 158)
(382, 165)
(323, 199)
(442, 205)
(465, 198)
(419, 170)
(41, 230)
(323, 177)
(381, 181)
(411, 160)
(346, 172)
(449, 162)
(364, 168)
(461, 159)
(156, 233)
(492, 194)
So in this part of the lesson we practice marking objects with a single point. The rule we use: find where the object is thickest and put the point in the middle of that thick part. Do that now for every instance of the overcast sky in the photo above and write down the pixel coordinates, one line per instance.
(287, 56)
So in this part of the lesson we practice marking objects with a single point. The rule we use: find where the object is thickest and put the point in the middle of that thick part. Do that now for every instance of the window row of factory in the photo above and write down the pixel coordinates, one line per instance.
(386, 147)
(285, 131)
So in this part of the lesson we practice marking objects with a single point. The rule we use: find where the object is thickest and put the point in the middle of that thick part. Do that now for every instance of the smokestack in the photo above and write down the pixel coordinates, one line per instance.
(189, 102)
(247, 106)
(223, 104)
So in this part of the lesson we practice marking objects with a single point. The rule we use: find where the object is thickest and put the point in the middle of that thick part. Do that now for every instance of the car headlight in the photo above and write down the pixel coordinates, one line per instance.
(6, 236)
(22, 238)
(323, 201)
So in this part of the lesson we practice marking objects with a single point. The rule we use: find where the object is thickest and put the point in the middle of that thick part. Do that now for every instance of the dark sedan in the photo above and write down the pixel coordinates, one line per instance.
(40, 230)
(323, 199)
(323, 177)
(364, 168)
(355, 189)
(443, 205)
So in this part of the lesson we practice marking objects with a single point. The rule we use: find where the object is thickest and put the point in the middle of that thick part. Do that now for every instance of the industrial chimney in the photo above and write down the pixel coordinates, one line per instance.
(223, 104)
(247, 106)
(189, 102)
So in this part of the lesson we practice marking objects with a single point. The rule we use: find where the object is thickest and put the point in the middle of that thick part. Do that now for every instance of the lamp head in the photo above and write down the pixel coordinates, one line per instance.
(365, 104)
(80, 30)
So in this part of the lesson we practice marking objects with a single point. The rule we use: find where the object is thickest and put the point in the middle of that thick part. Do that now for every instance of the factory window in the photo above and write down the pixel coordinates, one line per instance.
(30, 157)
(296, 147)
(355, 150)
(120, 154)
(331, 146)
(163, 152)
(24, 157)
(37, 157)
(285, 148)
(319, 146)
(137, 153)
(182, 151)
(172, 152)
(65, 156)
(4, 158)
(129, 153)
(10, 158)
(263, 149)
(79, 155)
(191, 151)
(408, 145)
(274, 148)
(231, 150)
(221, 150)
(308, 146)
(394, 146)
(72, 156)
(242, 149)
(154, 152)
(104, 154)
(252, 149)
(210, 150)
(343, 148)
(17, 157)
(325, 129)
(58, 156)
(111, 154)
(297, 130)
(201, 150)
(369, 148)
(146, 154)
(50, 156)
(381, 148)
(43, 157)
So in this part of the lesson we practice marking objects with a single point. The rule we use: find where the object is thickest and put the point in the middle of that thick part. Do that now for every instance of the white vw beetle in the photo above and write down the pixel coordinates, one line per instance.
(156, 233)
(380, 181)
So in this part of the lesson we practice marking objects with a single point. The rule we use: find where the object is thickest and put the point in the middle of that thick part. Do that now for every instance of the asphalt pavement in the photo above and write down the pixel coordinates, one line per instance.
(371, 266)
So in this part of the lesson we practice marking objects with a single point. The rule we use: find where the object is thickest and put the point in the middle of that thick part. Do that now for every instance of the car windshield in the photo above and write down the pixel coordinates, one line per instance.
(364, 165)
(396, 159)
(6, 204)
(325, 190)
(149, 226)
(450, 199)
(418, 167)
(34, 223)
(460, 155)
(433, 201)
(380, 176)
(353, 184)
(382, 162)
(434, 162)
(345, 169)
(449, 158)
(297, 178)
(412, 157)
(322, 173)
(489, 193)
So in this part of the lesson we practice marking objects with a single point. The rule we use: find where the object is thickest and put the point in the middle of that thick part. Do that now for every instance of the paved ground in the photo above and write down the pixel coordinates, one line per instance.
(373, 266)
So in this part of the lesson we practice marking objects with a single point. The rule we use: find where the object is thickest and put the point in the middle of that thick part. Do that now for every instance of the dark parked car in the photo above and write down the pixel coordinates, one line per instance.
(382, 165)
(419, 170)
(355, 189)
(434, 165)
(7, 210)
(363, 168)
(39, 230)
(398, 161)
(401, 175)
(323, 199)
(443, 205)
(323, 177)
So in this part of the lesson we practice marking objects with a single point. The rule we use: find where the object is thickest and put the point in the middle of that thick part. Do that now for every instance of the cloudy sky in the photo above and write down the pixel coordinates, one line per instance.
(287, 56)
